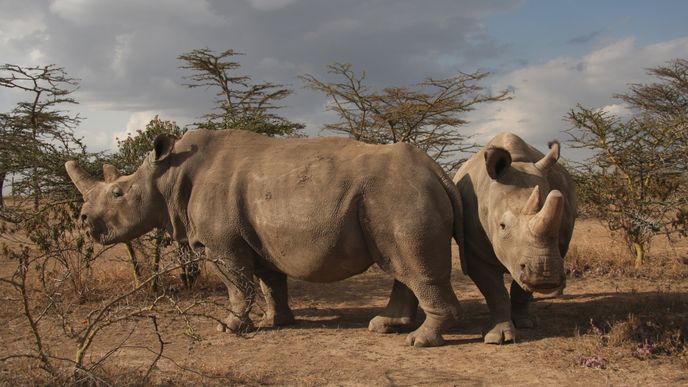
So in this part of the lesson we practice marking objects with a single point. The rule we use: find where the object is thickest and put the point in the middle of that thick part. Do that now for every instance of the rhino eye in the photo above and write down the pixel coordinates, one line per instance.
(117, 192)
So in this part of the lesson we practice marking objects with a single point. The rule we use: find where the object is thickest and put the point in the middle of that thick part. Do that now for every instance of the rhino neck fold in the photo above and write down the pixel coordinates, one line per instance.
(175, 190)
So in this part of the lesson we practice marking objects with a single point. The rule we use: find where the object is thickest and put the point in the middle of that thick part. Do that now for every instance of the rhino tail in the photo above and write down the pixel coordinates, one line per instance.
(457, 207)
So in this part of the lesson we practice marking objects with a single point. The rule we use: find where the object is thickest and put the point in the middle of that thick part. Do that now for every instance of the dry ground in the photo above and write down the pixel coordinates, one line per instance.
(577, 341)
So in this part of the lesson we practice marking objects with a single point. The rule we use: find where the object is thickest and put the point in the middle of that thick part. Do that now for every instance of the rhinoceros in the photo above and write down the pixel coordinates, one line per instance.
(314, 209)
(519, 209)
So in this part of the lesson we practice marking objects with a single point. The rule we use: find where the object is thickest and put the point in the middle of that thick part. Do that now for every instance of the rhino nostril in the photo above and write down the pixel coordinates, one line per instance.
(523, 266)
(84, 218)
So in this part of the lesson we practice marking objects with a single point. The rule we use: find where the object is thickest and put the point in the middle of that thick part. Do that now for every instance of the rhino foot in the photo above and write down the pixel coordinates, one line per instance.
(521, 316)
(277, 320)
(381, 324)
(236, 325)
(525, 321)
(424, 337)
(501, 333)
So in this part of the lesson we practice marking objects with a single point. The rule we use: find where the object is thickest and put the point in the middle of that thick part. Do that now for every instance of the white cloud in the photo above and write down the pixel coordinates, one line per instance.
(544, 93)
(618, 109)
(36, 55)
(136, 121)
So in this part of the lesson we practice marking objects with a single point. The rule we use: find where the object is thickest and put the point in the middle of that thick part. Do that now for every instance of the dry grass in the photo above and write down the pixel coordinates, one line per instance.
(596, 251)
(659, 330)
(626, 319)
(657, 327)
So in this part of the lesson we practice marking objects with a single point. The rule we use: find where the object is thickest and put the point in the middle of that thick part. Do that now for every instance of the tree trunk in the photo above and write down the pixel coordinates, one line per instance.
(159, 234)
(2, 185)
(36, 192)
(134, 263)
(639, 254)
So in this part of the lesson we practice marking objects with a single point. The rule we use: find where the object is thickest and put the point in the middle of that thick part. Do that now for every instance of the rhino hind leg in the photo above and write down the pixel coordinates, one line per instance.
(422, 270)
(399, 314)
(442, 311)
(490, 282)
(274, 287)
(520, 307)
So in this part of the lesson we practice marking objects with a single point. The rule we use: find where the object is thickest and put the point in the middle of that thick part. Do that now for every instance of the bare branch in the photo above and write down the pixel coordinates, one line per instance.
(427, 115)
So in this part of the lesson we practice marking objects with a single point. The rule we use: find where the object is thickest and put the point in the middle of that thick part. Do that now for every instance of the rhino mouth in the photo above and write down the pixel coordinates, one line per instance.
(545, 287)
(101, 234)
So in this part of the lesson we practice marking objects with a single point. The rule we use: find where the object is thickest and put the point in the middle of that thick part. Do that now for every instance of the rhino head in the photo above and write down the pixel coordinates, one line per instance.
(122, 208)
(522, 218)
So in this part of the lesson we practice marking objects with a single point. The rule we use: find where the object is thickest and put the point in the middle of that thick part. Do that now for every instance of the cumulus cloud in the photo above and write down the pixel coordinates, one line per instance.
(544, 93)
(618, 109)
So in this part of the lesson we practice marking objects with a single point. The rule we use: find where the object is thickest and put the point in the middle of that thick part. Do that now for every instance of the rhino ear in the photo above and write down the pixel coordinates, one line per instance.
(110, 173)
(550, 158)
(162, 146)
(496, 161)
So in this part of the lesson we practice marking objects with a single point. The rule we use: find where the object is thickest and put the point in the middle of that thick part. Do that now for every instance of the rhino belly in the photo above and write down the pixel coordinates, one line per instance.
(323, 259)
(323, 268)
(310, 230)
(316, 252)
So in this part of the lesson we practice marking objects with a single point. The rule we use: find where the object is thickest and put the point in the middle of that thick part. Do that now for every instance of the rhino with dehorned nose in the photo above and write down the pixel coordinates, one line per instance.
(519, 212)
(315, 209)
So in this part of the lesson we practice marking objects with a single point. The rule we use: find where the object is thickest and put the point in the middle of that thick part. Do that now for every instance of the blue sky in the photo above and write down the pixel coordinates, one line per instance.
(553, 54)
(540, 30)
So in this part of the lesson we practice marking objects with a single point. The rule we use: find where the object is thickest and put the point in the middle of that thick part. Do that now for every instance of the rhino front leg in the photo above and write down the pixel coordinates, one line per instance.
(490, 281)
(520, 307)
(274, 287)
(237, 276)
(400, 313)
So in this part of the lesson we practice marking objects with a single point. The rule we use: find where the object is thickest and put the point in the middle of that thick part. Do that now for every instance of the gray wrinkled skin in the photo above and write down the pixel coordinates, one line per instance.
(519, 211)
(315, 209)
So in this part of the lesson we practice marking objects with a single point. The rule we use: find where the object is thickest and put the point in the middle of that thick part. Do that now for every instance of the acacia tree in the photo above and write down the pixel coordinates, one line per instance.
(240, 102)
(427, 114)
(51, 254)
(635, 179)
(38, 134)
(39, 232)
(10, 145)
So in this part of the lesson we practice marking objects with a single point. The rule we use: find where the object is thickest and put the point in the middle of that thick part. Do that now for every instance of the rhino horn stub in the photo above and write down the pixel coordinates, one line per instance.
(547, 221)
(550, 158)
(110, 173)
(81, 179)
(533, 204)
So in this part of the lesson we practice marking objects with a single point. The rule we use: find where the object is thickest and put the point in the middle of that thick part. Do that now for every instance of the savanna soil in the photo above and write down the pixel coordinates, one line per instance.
(330, 344)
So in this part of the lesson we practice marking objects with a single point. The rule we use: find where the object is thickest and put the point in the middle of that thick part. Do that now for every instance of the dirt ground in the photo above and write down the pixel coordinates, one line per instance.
(330, 344)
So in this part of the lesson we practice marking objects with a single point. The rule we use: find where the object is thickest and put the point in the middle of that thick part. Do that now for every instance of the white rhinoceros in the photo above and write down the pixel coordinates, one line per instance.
(315, 209)
(519, 208)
